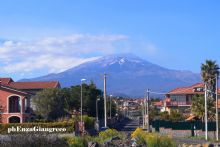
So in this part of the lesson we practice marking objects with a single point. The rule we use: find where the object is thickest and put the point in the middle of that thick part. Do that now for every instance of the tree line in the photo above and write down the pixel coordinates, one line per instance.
(52, 104)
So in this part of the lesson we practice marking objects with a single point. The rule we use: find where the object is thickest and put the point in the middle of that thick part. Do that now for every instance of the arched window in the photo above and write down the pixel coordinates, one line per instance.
(14, 119)
(14, 104)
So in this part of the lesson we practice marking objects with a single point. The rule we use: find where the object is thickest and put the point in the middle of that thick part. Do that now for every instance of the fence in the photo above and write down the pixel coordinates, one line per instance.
(183, 129)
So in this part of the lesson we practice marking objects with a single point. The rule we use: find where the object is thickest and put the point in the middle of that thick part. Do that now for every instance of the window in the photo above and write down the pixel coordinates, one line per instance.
(14, 104)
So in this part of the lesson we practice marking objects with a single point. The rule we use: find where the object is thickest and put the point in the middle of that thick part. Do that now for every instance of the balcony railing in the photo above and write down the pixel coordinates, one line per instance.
(177, 103)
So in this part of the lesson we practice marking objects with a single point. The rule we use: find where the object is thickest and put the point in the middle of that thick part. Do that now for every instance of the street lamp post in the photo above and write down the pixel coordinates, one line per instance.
(81, 96)
(105, 99)
(116, 103)
(206, 119)
(148, 118)
(110, 106)
(216, 106)
(97, 112)
(143, 114)
(145, 109)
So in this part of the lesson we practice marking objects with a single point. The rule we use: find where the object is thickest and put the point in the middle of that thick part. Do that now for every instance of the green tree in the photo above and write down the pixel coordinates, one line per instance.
(49, 103)
(176, 116)
(55, 103)
(209, 69)
(164, 115)
(154, 113)
(198, 107)
(90, 94)
(173, 116)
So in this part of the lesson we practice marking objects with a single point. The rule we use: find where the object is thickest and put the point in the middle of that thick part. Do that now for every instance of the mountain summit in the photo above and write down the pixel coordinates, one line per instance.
(128, 75)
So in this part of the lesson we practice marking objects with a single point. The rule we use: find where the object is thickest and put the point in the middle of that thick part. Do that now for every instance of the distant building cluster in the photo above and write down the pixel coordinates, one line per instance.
(16, 100)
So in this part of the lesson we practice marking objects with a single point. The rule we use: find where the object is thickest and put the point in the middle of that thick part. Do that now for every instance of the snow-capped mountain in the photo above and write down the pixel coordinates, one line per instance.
(127, 75)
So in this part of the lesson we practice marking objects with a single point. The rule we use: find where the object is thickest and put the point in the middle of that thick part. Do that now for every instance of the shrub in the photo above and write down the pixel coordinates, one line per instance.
(76, 141)
(155, 140)
(108, 134)
(89, 122)
(94, 139)
(140, 136)
(152, 139)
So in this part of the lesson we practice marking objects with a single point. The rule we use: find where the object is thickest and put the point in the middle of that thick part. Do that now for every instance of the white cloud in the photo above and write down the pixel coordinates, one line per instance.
(54, 64)
(55, 54)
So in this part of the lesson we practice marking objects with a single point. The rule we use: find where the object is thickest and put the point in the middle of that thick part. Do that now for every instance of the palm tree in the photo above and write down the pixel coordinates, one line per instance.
(208, 72)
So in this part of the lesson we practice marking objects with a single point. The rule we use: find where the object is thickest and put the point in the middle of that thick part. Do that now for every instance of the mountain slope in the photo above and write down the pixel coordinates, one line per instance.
(127, 74)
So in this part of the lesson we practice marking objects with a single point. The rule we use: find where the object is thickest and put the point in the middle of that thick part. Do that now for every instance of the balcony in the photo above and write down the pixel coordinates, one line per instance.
(177, 103)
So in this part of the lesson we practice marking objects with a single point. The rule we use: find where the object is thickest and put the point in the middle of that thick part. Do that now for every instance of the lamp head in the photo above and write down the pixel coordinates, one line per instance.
(83, 80)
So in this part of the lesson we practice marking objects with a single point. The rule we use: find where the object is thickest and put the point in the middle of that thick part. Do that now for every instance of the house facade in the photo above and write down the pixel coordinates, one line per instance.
(181, 98)
(15, 99)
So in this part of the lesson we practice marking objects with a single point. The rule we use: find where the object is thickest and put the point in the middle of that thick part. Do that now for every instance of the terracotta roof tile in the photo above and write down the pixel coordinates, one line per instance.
(13, 89)
(34, 85)
(158, 104)
(6, 81)
(188, 90)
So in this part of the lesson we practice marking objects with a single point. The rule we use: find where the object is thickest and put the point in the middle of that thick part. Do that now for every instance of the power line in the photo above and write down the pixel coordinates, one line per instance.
(157, 92)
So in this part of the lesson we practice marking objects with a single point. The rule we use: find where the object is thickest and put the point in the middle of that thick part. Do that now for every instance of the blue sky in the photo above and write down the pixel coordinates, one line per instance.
(38, 37)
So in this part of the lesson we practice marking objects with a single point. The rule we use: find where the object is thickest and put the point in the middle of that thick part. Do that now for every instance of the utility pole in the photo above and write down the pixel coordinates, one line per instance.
(216, 106)
(148, 121)
(82, 98)
(206, 119)
(145, 109)
(142, 107)
(105, 107)
(110, 106)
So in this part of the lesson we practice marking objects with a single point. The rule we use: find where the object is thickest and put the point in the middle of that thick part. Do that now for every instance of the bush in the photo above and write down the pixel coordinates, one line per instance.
(155, 140)
(108, 134)
(76, 141)
(96, 139)
(152, 139)
(89, 122)
(140, 136)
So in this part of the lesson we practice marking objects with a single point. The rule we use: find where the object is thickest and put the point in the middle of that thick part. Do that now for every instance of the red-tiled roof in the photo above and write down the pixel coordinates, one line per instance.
(158, 104)
(13, 89)
(34, 85)
(6, 81)
(188, 90)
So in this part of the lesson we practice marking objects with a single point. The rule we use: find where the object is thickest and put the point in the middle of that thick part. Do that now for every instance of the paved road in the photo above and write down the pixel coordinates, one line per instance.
(127, 125)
